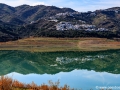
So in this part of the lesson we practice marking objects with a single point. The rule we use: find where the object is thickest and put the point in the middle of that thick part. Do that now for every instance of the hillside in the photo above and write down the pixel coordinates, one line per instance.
(50, 21)
(25, 14)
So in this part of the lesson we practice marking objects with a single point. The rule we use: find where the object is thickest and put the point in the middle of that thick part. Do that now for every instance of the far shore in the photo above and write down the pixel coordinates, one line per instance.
(45, 44)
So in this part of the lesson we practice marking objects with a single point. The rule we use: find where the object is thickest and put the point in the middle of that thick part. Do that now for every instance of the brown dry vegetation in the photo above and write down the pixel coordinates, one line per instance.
(60, 44)
(7, 83)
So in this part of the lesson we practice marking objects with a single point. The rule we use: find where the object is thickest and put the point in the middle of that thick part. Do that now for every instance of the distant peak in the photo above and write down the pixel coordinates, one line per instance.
(114, 8)
(2, 5)
(24, 5)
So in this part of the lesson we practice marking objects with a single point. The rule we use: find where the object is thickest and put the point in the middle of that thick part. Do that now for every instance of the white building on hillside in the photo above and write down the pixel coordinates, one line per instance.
(64, 26)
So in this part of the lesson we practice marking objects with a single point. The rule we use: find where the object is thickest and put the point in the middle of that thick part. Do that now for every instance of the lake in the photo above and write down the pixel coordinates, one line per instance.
(80, 70)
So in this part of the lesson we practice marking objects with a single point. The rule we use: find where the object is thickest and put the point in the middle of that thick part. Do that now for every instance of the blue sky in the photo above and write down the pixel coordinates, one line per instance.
(78, 5)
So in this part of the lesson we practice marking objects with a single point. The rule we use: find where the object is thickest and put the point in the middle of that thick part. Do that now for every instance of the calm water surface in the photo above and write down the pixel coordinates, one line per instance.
(81, 70)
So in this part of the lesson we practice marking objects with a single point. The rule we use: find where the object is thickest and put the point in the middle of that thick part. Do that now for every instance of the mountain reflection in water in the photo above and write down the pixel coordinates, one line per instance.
(55, 62)
(77, 69)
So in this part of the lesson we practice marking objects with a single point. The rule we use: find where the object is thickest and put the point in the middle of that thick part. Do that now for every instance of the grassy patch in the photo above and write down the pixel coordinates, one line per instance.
(60, 44)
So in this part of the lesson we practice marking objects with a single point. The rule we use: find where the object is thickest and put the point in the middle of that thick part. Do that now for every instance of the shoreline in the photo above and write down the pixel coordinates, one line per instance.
(60, 44)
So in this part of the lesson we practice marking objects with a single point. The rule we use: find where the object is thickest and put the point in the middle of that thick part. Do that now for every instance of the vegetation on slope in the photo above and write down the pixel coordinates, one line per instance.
(25, 21)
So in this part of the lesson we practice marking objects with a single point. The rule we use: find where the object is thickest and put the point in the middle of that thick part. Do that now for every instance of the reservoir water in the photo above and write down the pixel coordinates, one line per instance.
(80, 70)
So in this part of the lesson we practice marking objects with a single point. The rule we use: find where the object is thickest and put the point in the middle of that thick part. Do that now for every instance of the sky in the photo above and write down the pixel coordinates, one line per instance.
(78, 5)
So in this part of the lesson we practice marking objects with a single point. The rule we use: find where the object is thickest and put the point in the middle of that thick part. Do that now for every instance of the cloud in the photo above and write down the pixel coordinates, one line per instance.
(92, 5)
(21, 2)
(78, 5)
(39, 3)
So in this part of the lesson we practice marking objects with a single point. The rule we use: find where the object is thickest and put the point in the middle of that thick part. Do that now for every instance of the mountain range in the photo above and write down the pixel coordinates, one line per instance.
(50, 21)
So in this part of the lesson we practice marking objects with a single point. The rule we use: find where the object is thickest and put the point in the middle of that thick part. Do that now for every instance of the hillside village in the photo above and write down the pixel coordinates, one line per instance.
(69, 26)
(80, 25)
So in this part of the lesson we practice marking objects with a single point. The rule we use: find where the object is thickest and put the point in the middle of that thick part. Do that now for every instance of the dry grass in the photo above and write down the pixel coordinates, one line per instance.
(97, 44)
(60, 44)
(7, 83)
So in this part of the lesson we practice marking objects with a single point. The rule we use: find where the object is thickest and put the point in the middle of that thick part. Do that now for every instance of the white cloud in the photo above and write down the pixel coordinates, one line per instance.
(21, 2)
(79, 5)
(39, 3)
(95, 5)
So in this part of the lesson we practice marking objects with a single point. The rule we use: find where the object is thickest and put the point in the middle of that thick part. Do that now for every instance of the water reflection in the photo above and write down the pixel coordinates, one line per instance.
(75, 79)
(78, 69)
(55, 62)
(66, 60)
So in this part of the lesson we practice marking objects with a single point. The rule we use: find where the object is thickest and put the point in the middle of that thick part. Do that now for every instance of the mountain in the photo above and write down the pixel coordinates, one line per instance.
(13, 18)
(26, 13)
(7, 32)
(25, 21)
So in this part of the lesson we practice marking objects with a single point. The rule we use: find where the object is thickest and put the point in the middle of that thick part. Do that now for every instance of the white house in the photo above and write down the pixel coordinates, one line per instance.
(64, 26)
